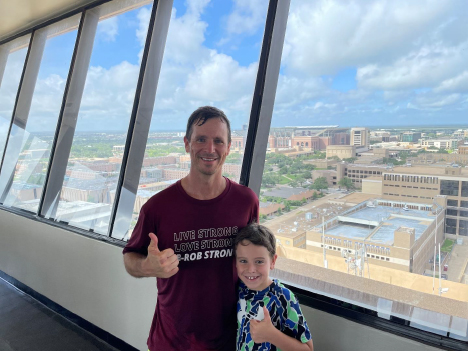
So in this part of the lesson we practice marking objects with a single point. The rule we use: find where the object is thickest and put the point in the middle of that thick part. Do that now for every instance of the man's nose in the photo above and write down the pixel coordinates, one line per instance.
(210, 146)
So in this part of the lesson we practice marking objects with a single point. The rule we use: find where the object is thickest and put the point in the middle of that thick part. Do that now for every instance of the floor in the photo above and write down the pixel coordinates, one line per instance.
(26, 324)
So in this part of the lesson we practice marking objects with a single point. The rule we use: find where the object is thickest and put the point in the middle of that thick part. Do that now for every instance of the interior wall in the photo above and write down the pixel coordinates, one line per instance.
(87, 277)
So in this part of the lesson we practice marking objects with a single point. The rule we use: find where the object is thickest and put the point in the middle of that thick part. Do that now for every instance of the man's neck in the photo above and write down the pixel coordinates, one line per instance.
(203, 187)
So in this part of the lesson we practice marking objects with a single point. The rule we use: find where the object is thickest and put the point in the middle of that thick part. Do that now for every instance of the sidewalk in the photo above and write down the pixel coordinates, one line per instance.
(457, 262)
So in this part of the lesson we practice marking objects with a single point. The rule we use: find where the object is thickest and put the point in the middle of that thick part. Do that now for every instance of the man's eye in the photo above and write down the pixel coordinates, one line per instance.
(201, 140)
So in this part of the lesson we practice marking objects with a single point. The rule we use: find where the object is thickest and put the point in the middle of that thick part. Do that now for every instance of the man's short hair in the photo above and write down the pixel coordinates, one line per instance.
(259, 235)
(203, 114)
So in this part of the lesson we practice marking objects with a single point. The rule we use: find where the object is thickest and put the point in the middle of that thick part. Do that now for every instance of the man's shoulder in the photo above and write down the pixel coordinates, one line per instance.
(242, 190)
(161, 196)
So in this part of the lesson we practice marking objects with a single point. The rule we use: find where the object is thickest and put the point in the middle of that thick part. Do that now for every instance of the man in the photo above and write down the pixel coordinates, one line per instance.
(184, 238)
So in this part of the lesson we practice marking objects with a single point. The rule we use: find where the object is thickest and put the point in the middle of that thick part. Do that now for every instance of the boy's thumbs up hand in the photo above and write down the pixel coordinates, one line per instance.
(161, 264)
(261, 331)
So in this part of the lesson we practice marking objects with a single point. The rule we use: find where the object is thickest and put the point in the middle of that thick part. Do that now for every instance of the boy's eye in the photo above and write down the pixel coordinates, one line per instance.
(242, 261)
(259, 262)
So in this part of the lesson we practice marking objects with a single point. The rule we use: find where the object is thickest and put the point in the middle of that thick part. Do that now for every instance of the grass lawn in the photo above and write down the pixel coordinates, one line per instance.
(447, 246)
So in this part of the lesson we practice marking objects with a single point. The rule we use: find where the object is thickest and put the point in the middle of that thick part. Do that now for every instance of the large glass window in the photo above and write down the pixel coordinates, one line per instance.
(449, 187)
(464, 189)
(12, 56)
(29, 164)
(211, 58)
(94, 163)
(345, 70)
(463, 228)
(453, 203)
(451, 226)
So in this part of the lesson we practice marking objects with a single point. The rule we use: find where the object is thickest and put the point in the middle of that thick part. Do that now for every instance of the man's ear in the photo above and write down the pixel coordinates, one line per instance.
(229, 149)
(187, 144)
(273, 261)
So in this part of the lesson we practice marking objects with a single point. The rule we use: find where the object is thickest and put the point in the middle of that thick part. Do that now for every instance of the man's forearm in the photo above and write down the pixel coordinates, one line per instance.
(133, 264)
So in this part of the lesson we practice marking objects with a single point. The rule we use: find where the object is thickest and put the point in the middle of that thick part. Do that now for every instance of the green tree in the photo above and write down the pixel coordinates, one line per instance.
(287, 206)
(346, 183)
(300, 180)
(269, 180)
(320, 183)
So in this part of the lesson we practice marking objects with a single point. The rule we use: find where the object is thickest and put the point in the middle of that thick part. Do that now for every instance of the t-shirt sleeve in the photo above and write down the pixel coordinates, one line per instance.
(254, 209)
(295, 325)
(139, 240)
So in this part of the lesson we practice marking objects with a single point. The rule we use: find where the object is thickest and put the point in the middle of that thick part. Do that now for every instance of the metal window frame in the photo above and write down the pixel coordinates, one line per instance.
(21, 111)
(140, 120)
(264, 94)
(16, 100)
(65, 132)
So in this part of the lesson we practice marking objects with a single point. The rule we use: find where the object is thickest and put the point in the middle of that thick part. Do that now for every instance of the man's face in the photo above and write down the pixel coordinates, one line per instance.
(208, 146)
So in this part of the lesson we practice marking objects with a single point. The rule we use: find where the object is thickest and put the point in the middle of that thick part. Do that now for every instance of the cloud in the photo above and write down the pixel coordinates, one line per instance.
(247, 17)
(457, 83)
(324, 36)
(108, 29)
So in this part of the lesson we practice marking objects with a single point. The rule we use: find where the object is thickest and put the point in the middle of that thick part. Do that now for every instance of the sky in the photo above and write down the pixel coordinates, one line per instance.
(344, 62)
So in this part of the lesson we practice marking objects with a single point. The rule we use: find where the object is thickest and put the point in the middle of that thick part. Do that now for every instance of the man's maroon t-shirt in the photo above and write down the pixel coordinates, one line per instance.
(196, 308)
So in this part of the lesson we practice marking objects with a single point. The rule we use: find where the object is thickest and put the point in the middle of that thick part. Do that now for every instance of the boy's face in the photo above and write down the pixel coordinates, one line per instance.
(253, 265)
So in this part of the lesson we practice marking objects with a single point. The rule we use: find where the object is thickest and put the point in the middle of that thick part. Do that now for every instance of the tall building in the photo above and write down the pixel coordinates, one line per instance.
(410, 137)
(360, 137)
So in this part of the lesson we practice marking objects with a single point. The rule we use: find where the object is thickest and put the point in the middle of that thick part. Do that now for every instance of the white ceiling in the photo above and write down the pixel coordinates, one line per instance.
(19, 15)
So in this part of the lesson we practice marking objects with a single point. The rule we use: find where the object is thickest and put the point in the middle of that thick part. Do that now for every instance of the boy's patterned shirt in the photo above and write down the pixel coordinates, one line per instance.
(285, 313)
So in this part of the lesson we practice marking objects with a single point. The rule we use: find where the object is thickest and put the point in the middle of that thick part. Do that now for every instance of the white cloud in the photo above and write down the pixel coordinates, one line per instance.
(457, 83)
(324, 36)
(247, 17)
(108, 29)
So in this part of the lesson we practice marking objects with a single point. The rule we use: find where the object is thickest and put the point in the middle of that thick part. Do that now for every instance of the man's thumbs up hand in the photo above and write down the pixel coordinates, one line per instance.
(160, 264)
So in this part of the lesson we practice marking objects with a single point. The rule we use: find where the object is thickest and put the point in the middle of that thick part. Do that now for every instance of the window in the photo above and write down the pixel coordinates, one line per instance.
(203, 44)
(453, 203)
(93, 168)
(27, 166)
(464, 189)
(449, 187)
(14, 53)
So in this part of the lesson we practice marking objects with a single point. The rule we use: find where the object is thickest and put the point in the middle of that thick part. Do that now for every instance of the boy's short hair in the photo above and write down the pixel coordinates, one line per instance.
(259, 235)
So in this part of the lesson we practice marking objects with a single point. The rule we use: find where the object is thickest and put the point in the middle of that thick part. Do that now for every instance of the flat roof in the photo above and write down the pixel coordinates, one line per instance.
(390, 219)
(428, 170)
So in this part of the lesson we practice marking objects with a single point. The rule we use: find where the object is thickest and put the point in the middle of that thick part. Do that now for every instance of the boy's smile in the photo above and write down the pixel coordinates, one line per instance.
(253, 264)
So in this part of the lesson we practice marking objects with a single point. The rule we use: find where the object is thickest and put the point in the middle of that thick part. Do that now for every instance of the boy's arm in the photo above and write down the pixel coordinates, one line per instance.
(265, 331)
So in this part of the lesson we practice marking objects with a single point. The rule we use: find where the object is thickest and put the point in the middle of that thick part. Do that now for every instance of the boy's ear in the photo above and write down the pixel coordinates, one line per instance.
(273, 261)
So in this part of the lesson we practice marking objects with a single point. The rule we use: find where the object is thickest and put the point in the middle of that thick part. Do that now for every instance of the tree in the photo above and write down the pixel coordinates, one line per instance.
(320, 183)
(294, 183)
(346, 183)
(269, 180)
(300, 180)
(306, 175)
(287, 206)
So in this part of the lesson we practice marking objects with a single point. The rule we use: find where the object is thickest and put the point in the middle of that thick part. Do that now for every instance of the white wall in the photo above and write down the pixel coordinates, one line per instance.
(87, 277)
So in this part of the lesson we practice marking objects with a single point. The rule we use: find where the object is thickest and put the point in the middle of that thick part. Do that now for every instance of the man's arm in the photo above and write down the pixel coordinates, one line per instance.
(160, 264)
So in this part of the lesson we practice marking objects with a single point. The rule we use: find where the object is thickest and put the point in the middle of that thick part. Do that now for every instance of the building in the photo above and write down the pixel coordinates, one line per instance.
(422, 184)
(341, 151)
(440, 143)
(360, 137)
(392, 234)
(270, 208)
(410, 137)
(358, 172)
(463, 149)
(292, 194)
(328, 174)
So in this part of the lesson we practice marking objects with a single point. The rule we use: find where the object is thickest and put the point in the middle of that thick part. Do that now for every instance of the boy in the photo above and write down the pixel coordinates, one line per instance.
(268, 314)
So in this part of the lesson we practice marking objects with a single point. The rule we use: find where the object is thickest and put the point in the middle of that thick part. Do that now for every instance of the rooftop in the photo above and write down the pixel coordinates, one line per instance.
(388, 219)
(285, 192)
